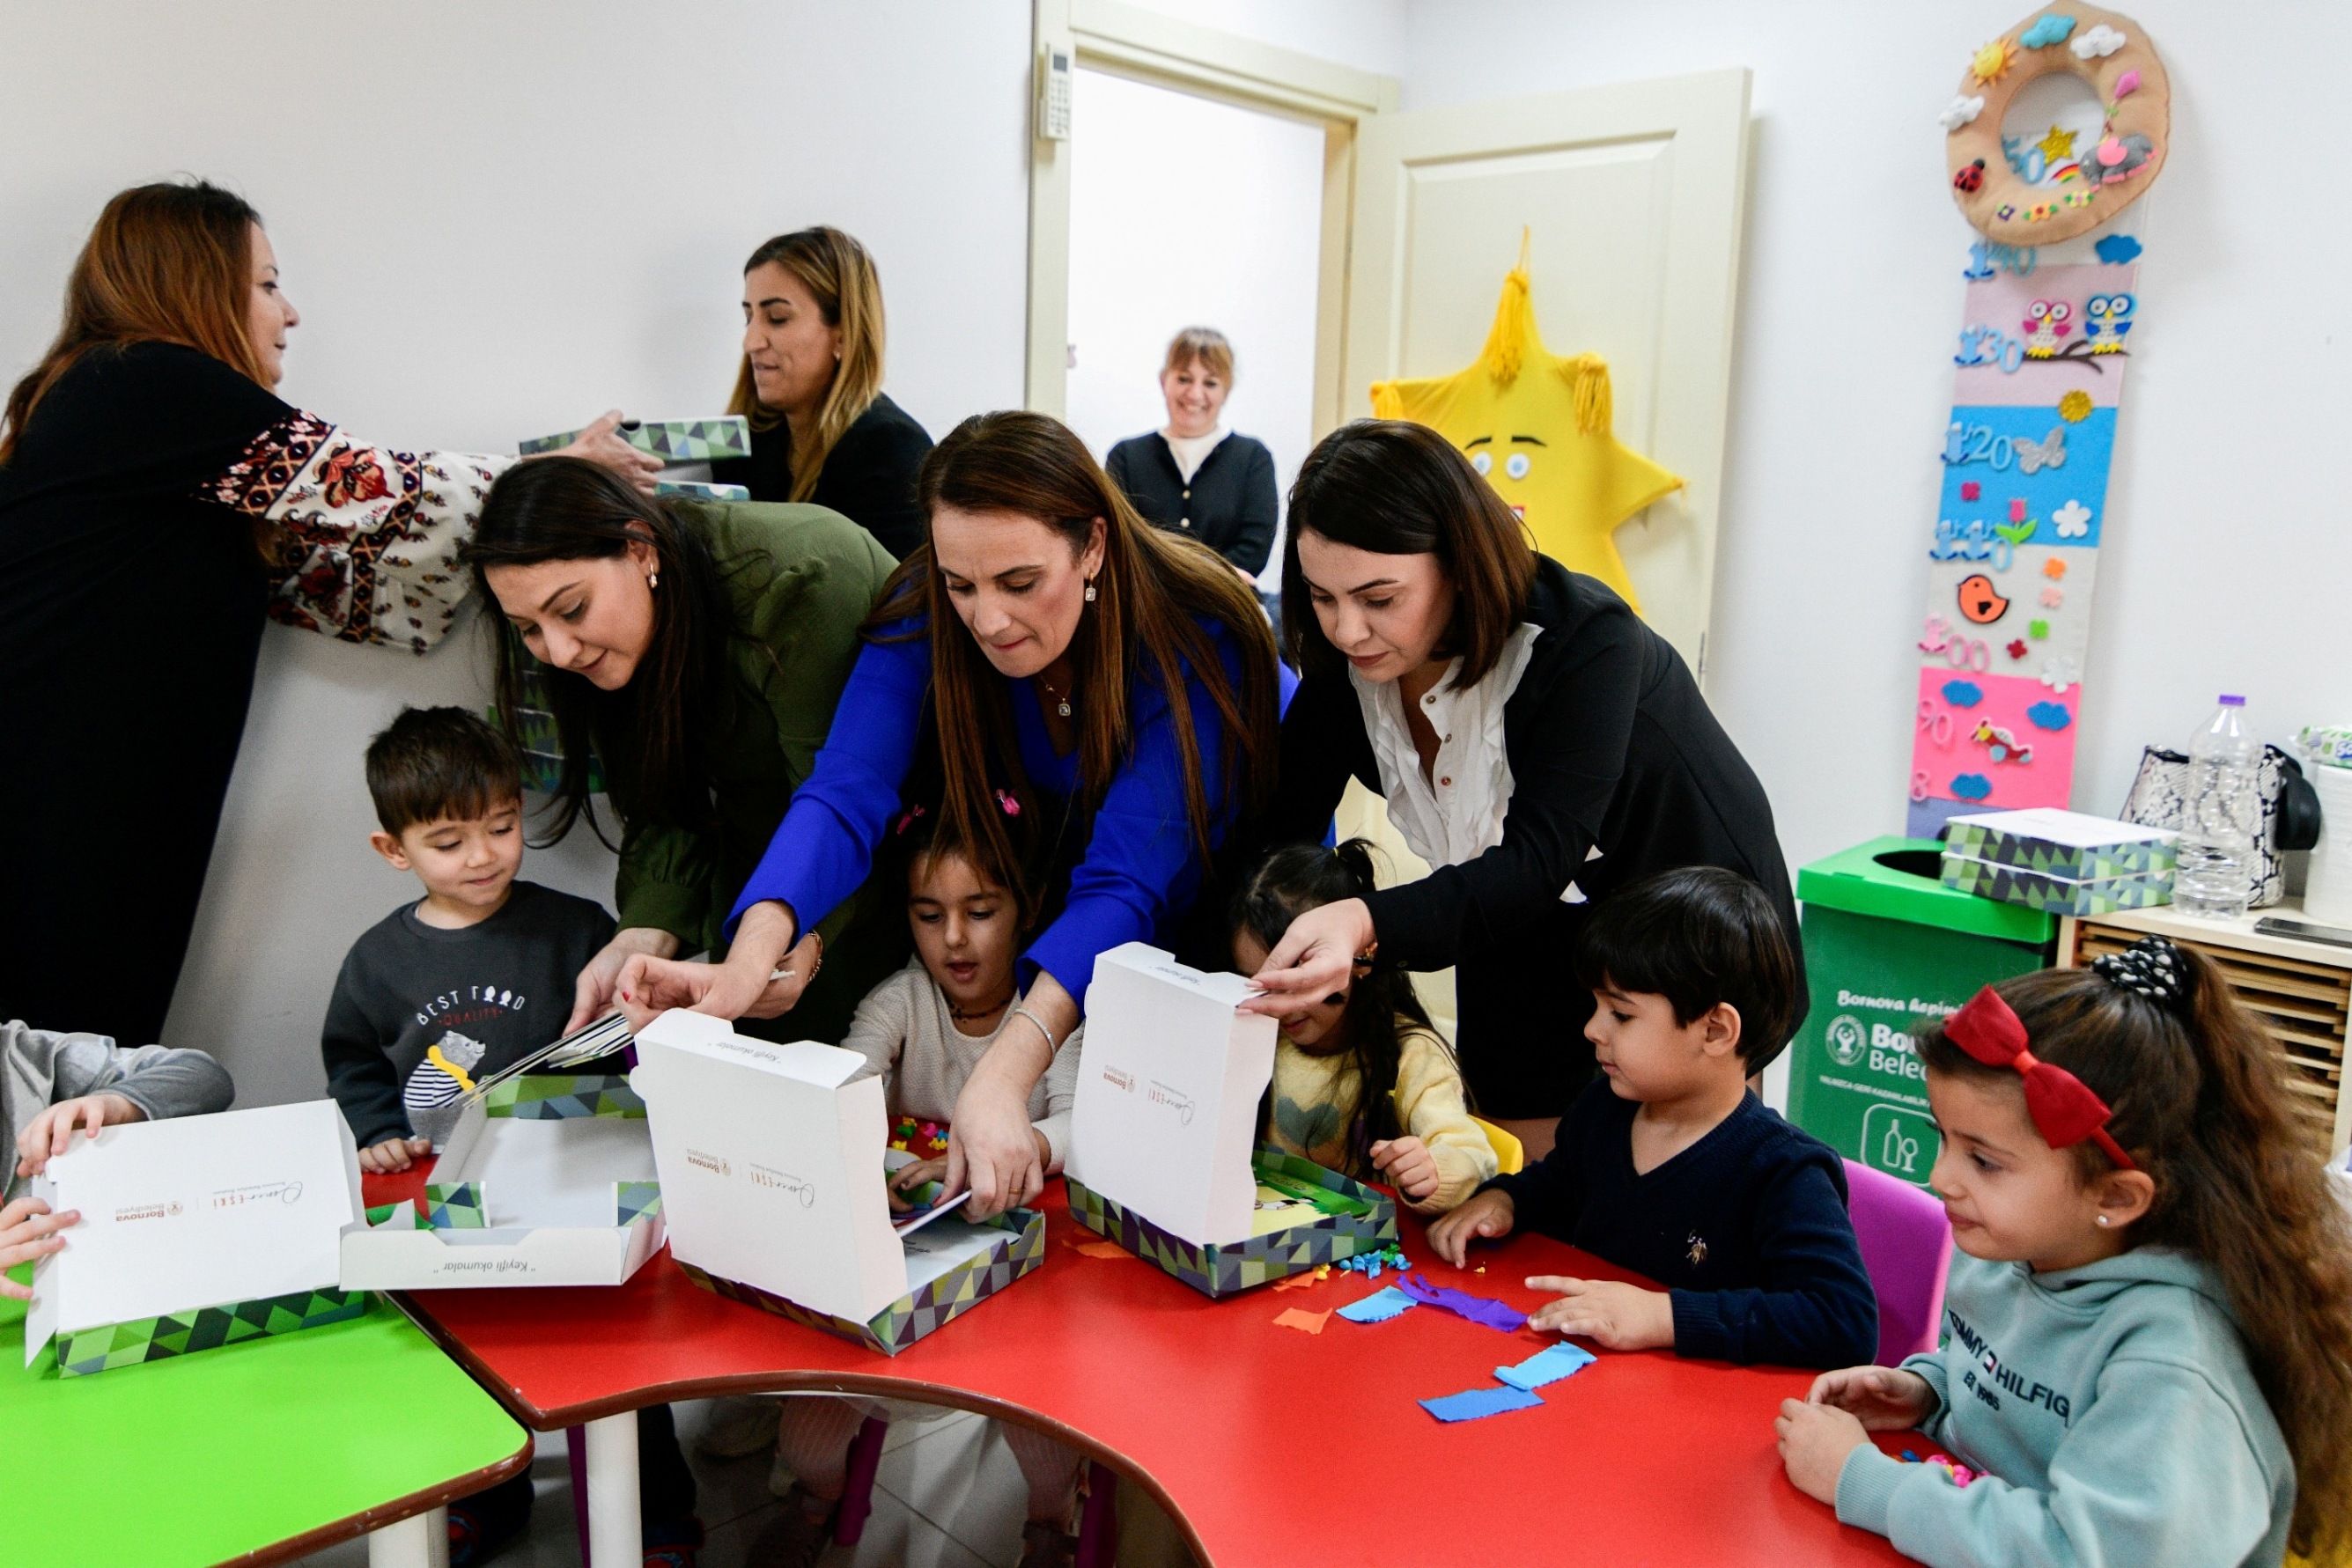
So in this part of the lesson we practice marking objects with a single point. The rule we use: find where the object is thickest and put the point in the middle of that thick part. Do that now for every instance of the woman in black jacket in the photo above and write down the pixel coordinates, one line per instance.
(1535, 743)
(1195, 475)
(811, 384)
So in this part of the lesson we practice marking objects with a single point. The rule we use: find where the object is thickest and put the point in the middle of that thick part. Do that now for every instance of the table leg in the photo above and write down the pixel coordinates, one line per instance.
(421, 1540)
(614, 1530)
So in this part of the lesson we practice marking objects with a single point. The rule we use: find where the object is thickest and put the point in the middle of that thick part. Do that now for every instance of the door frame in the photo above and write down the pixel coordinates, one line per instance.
(1126, 40)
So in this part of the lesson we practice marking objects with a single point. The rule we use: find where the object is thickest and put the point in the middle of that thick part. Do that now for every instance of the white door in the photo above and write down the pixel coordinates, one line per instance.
(1630, 197)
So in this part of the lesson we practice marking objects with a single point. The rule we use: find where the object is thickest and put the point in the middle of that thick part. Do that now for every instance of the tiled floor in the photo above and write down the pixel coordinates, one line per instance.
(948, 1495)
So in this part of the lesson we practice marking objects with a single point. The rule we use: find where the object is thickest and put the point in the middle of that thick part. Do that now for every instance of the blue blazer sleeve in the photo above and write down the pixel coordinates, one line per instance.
(1140, 866)
(825, 846)
(1816, 1307)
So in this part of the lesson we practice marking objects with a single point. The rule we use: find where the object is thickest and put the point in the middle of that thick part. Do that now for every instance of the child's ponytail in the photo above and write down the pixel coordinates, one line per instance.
(2199, 1102)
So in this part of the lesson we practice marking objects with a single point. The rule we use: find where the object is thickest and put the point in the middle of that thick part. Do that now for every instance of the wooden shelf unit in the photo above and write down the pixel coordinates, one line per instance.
(2301, 993)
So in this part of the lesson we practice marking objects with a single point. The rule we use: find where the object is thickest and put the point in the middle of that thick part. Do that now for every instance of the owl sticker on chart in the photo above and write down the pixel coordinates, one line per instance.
(2106, 318)
(2047, 321)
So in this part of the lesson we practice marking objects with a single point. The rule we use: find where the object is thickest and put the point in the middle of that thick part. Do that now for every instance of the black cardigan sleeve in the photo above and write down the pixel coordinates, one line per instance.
(1323, 743)
(1573, 717)
(1253, 537)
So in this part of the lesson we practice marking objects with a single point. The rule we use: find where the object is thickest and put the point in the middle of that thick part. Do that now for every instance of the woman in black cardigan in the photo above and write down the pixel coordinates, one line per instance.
(1535, 743)
(811, 384)
(1196, 476)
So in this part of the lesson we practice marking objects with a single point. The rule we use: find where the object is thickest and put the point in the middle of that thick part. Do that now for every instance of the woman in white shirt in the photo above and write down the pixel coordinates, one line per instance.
(1535, 742)
(1195, 476)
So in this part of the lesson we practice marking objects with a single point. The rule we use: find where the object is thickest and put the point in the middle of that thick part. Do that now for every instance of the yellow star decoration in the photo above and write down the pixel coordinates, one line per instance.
(1993, 59)
(2058, 146)
(1541, 422)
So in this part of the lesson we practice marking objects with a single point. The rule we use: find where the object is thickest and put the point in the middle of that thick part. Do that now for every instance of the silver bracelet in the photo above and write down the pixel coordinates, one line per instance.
(1018, 1010)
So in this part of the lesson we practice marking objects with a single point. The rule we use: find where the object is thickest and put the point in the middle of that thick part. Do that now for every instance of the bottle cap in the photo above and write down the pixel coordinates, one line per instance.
(2229, 701)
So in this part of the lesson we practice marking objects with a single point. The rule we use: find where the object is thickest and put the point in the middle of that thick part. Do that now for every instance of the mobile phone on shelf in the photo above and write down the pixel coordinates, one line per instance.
(2302, 930)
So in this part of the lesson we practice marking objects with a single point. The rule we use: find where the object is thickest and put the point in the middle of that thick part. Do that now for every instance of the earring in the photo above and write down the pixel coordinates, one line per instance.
(1090, 590)
(2103, 1219)
(653, 579)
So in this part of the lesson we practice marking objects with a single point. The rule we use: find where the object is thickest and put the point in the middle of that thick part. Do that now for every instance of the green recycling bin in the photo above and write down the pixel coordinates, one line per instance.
(1888, 951)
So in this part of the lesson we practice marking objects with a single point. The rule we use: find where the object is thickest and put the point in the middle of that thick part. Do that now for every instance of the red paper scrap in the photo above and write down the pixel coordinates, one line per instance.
(1305, 1322)
(1102, 1249)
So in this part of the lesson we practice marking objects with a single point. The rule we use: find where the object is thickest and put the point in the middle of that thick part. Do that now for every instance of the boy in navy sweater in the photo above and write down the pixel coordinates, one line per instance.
(1669, 1165)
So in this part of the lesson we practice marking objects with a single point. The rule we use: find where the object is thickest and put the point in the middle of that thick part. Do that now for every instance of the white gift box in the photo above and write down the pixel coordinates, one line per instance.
(1166, 1113)
(197, 1212)
(772, 1167)
(547, 1181)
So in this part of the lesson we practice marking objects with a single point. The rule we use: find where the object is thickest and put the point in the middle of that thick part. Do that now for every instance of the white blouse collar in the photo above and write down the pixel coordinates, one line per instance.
(1456, 813)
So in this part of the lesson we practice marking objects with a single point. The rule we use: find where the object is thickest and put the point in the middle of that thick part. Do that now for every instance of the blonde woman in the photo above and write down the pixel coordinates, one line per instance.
(811, 384)
(157, 502)
(1197, 476)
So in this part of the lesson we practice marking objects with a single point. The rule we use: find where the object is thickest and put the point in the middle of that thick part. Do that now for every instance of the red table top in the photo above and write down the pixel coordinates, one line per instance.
(1266, 1444)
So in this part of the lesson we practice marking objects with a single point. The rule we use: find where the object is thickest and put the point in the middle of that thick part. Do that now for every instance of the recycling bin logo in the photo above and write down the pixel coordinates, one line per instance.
(1846, 1039)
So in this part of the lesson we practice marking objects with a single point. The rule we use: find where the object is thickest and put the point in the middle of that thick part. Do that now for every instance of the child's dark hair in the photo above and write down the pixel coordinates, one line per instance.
(2198, 1101)
(921, 834)
(1381, 1005)
(435, 762)
(1699, 935)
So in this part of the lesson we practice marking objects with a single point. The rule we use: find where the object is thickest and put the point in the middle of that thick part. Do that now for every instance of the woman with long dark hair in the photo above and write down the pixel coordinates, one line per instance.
(157, 503)
(823, 430)
(1535, 742)
(697, 650)
(1047, 653)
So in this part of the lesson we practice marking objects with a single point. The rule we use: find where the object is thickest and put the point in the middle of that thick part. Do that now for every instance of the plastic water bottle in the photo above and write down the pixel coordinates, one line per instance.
(2216, 878)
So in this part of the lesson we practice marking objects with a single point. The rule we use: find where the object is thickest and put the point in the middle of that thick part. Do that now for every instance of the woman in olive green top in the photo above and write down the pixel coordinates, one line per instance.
(700, 650)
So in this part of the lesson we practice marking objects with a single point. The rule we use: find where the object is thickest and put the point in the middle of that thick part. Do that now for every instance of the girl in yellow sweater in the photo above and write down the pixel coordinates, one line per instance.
(1363, 1084)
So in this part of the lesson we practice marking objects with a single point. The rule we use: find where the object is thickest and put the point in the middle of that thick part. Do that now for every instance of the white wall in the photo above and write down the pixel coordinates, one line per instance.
(2229, 566)
(1187, 212)
(1369, 34)
(497, 221)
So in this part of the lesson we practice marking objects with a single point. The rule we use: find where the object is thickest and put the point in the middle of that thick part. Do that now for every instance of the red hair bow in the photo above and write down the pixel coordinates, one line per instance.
(2063, 1108)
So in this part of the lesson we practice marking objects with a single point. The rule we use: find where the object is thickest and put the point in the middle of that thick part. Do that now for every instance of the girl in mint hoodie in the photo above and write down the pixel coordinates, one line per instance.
(2147, 1349)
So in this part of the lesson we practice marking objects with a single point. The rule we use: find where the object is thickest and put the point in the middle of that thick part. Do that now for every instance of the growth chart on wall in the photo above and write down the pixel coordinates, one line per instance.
(2014, 556)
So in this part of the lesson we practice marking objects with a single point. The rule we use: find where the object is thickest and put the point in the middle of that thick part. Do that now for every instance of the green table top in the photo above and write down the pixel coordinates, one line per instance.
(273, 1446)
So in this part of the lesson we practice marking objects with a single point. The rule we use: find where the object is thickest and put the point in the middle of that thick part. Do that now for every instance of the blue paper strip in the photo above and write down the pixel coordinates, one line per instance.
(1473, 1403)
(1377, 1308)
(1563, 1360)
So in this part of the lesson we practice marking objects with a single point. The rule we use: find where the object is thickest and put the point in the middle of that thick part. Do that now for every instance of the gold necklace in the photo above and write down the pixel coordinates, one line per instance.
(1061, 699)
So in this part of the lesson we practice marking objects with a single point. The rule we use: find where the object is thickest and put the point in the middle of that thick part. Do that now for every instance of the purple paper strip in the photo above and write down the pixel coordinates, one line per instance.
(1478, 1309)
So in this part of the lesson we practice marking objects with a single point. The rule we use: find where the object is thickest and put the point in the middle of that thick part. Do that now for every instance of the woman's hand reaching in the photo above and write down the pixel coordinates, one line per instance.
(600, 445)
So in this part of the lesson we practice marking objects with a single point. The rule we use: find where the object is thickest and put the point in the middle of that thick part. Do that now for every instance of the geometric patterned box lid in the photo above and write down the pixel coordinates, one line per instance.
(107, 1345)
(2057, 894)
(922, 1311)
(671, 440)
(2070, 844)
(1219, 1272)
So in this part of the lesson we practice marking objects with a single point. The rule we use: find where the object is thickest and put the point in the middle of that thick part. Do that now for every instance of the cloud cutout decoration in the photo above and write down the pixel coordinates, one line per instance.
(2116, 249)
(1971, 786)
(2049, 715)
(1959, 112)
(1962, 693)
(2097, 43)
(2051, 30)
(2074, 520)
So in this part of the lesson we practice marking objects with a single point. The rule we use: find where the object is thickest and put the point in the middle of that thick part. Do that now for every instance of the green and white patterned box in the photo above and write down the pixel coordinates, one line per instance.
(1366, 1222)
(700, 490)
(2057, 895)
(81, 1351)
(2066, 845)
(452, 1236)
(671, 440)
(926, 1309)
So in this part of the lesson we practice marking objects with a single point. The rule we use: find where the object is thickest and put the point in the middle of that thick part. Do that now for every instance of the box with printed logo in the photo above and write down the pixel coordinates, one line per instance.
(773, 1165)
(546, 1181)
(195, 1232)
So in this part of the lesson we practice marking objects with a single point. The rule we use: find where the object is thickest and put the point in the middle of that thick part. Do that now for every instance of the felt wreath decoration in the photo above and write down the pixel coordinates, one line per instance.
(2092, 184)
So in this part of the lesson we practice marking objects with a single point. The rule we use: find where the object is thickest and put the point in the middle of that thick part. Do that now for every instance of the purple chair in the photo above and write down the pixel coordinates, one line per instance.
(1906, 1246)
